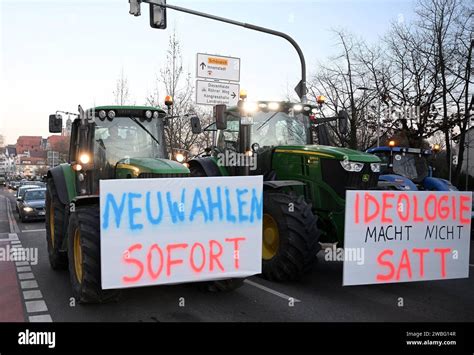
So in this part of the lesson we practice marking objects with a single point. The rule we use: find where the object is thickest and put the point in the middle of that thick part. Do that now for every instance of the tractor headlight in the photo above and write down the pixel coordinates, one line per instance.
(84, 158)
(375, 167)
(250, 107)
(156, 114)
(274, 106)
(27, 209)
(179, 157)
(111, 115)
(102, 114)
(148, 114)
(352, 166)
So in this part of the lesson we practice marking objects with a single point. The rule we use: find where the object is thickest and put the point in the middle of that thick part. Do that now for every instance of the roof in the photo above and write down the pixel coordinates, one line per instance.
(400, 149)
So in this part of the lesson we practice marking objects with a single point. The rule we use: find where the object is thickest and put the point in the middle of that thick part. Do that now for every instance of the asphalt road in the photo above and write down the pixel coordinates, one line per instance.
(319, 297)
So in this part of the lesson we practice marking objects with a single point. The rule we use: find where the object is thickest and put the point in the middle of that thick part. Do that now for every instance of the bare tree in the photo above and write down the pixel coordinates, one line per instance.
(121, 92)
(178, 83)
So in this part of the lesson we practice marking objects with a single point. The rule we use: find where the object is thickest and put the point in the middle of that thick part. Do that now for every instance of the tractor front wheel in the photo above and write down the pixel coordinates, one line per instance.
(55, 231)
(290, 237)
(84, 257)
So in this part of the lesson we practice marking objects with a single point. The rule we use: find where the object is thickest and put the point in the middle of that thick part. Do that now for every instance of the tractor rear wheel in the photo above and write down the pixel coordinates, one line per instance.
(84, 257)
(55, 229)
(290, 237)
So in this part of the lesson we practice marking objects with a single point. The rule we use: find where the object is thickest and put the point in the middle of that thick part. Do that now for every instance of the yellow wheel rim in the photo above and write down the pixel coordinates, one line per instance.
(51, 223)
(78, 255)
(271, 237)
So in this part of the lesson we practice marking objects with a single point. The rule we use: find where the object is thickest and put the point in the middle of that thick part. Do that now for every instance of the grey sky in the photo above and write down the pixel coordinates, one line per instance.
(58, 54)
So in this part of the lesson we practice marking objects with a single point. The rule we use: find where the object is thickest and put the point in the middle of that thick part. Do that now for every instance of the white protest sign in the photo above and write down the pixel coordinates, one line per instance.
(165, 231)
(406, 236)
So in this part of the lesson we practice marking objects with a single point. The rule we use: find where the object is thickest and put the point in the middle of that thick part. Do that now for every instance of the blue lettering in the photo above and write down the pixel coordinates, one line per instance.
(198, 206)
(256, 206)
(176, 211)
(213, 205)
(118, 210)
(230, 217)
(242, 217)
(152, 219)
(132, 211)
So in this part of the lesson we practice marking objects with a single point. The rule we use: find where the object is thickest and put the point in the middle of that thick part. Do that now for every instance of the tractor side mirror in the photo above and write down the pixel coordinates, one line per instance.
(343, 122)
(196, 125)
(55, 123)
(158, 16)
(220, 117)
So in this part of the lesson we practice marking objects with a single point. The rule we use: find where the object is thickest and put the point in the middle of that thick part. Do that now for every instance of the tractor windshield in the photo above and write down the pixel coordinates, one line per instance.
(279, 128)
(411, 166)
(123, 138)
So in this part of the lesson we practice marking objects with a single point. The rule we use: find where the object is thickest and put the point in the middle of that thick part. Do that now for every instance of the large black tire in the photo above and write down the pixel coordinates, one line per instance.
(84, 229)
(55, 228)
(297, 233)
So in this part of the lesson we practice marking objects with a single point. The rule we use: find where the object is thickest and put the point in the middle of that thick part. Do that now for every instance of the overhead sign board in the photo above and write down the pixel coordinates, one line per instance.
(218, 67)
(217, 93)
(395, 236)
(180, 230)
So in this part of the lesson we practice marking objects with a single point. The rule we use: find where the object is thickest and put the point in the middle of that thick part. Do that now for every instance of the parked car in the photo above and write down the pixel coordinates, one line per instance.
(32, 205)
(14, 185)
(20, 193)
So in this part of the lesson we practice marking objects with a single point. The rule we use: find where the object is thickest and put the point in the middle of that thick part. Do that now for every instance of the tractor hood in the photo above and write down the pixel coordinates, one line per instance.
(329, 152)
(151, 165)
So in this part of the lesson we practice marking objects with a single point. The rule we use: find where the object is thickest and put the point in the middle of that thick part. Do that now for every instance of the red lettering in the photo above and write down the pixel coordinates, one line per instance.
(443, 252)
(367, 217)
(385, 206)
(169, 261)
(236, 249)
(154, 275)
(416, 218)
(443, 209)
(381, 262)
(357, 208)
(422, 253)
(404, 264)
(403, 218)
(191, 258)
(213, 257)
(138, 263)
(430, 198)
(465, 208)
(453, 202)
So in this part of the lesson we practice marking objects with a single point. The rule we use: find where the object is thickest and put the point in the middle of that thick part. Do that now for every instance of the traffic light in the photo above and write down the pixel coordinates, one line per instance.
(158, 15)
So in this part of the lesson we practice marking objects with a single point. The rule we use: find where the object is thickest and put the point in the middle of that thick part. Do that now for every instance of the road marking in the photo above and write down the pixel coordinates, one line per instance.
(36, 306)
(269, 290)
(28, 284)
(44, 318)
(22, 263)
(33, 230)
(23, 269)
(26, 276)
(32, 294)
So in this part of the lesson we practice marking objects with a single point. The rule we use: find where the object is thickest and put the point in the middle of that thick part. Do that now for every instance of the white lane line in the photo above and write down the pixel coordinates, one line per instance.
(33, 230)
(32, 294)
(26, 276)
(36, 306)
(45, 318)
(269, 290)
(28, 284)
(11, 219)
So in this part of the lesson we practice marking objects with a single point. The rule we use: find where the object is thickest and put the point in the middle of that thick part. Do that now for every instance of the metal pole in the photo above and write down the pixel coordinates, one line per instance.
(304, 89)
(378, 126)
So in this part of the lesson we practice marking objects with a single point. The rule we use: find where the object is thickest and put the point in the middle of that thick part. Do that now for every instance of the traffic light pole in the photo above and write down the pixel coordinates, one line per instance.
(301, 88)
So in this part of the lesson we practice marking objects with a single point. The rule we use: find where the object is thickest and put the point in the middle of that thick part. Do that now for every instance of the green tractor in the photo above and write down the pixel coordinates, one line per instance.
(304, 183)
(110, 142)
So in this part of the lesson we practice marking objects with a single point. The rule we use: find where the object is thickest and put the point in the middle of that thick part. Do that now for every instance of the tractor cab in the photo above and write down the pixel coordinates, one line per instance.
(409, 169)
(118, 142)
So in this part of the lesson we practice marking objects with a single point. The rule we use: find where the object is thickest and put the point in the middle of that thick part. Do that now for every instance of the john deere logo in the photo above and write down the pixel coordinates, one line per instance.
(365, 178)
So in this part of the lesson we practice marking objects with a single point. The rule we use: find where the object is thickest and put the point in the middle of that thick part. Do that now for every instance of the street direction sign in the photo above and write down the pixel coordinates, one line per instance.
(217, 93)
(218, 67)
